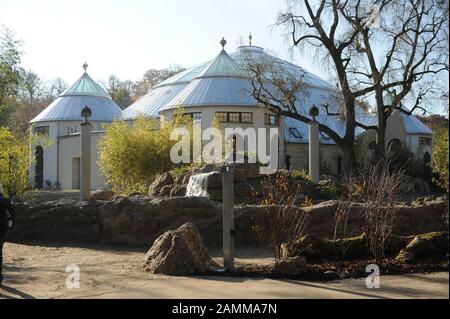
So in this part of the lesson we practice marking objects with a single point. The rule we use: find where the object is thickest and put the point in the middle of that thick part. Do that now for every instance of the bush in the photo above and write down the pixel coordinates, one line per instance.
(328, 190)
(132, 154)
(299, 174)
(15, 160)
(380, 188)
(283, 221)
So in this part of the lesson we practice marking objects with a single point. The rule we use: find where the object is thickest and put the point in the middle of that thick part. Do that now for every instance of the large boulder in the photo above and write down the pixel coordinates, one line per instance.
(161, 181)
(319, 249)
(425, 246)
(290, 266)
(102, 194)
(179, 252)
(178, 190)
(165, 190)
(251, 171)
(207, 182)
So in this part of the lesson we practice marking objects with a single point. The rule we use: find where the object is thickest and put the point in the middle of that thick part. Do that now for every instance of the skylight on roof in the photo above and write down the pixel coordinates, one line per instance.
(294, 132)
(325, 136)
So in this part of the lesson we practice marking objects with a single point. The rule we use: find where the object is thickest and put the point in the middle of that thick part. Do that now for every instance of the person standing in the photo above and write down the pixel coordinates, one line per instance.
(6, 223)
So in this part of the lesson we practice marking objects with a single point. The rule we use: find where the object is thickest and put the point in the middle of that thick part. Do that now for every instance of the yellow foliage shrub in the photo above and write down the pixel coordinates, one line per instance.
(131, 154)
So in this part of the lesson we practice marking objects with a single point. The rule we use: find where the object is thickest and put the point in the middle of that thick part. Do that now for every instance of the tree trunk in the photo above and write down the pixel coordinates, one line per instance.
(350, 162)
(381, 136)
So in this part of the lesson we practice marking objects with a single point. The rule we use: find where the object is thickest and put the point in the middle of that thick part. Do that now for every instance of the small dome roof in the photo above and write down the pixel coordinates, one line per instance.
(85, 91)
(86, 86)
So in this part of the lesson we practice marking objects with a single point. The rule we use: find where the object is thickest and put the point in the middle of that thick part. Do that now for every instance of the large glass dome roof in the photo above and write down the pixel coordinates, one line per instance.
(222, 81)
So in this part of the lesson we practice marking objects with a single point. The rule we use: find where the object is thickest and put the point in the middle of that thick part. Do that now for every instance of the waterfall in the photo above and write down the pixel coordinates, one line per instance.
(198, 185)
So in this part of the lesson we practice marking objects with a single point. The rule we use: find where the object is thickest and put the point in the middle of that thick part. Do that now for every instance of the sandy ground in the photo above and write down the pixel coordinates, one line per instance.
(33, 271)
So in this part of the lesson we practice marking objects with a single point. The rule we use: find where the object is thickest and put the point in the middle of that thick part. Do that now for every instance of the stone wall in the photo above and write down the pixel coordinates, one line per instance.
(140, 220)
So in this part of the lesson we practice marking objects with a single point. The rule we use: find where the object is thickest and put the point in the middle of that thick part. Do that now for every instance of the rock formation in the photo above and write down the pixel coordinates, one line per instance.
(179, 252)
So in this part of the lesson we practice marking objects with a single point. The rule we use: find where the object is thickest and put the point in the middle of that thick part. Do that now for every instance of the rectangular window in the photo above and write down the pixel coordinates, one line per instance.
(222, 117)
(41, 130)
(246, 117)
(294, 132)
(424, 140)
(196, 116)
(234, 117)
(271, 119)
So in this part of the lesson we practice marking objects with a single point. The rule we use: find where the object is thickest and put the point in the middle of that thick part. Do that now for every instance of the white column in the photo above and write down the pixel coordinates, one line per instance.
(314, 160)
(85, 161)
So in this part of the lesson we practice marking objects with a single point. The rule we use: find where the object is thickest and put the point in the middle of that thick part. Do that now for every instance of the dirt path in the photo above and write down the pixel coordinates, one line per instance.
(109, 272)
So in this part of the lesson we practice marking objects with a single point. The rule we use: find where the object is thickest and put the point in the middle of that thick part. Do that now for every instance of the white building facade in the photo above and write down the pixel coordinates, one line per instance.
(58, 166)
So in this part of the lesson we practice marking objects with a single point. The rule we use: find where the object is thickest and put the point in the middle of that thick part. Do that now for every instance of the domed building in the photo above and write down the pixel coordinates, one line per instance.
(221, 89)
(58, 166)
(218, 90)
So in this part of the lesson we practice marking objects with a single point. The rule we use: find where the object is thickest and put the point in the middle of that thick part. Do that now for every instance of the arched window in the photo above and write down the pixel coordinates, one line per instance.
(39, 167)
(426, 158)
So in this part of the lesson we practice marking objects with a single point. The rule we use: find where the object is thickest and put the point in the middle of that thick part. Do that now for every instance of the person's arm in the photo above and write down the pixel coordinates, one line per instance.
(10, 210)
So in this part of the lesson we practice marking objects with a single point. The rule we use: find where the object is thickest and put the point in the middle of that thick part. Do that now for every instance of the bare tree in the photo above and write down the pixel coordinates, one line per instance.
(380, 187)
(402, 56)
(341, 217)
(32, 89)
(283, 222)
(153, 77)
(55, 88)
(120, 91)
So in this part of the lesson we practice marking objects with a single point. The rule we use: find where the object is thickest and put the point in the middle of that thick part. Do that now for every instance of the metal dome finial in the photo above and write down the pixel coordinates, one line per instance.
(250, 38)
(314, 111)
(85, 66)
(223, 42)
(86, 112)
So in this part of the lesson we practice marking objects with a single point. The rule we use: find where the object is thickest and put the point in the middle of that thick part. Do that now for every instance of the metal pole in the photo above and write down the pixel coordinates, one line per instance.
(228, 218)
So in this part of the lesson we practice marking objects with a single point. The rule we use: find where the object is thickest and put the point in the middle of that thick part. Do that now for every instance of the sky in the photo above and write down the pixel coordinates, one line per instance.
(127, 38)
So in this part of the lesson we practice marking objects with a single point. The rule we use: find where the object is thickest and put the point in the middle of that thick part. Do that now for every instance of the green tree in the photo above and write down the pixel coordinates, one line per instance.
(10, 72)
